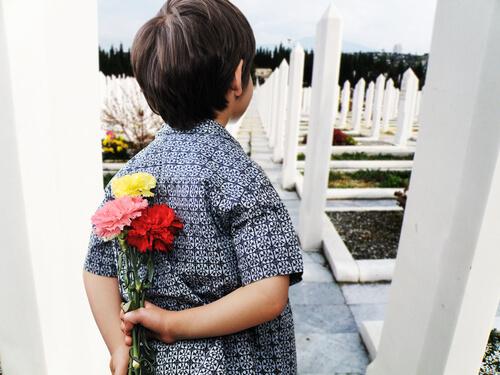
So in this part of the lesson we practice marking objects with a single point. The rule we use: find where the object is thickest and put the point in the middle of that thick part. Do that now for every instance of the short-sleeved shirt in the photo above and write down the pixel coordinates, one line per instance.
(236, 231)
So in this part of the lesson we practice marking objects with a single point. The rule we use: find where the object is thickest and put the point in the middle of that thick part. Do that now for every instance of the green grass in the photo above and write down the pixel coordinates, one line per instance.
(363, 156)
(369, 179)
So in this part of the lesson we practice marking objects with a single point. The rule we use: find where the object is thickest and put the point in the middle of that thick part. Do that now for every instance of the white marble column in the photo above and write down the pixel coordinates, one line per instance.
(370, 91)
(328, 46)
(293, 117)
(417, 105)
(20, 330)
(274, 111)
(54, 185)
(377, 106)
(279, 143)
(396, 104)
(445, 289)
(406, 107)
(388, 104)
(357, 110)
(306, 101)
(344, 103)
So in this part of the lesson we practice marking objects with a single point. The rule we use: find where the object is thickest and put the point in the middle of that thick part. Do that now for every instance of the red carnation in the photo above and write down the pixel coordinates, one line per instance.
(154, 229)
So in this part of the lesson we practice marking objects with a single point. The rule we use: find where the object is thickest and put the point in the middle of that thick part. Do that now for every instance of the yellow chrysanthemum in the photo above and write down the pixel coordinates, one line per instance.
(135, 184)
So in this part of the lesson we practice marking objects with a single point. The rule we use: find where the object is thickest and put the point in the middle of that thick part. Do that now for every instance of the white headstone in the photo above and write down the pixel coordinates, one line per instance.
(357, 110)
(406, 107)
(395, 104)
(377, 106)
(388, 104)
(51, 186)
(369, 104)
(328, 46)
(275, 108)
(445, 288)
(345, 102)
(296, 76)
(279, 143)
(417, 104)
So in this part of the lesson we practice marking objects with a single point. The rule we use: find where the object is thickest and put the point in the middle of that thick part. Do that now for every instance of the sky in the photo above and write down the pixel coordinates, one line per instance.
(368, 24)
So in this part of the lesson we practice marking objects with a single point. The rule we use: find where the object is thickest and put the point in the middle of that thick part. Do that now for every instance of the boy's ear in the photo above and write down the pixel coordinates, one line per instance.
(236, 85)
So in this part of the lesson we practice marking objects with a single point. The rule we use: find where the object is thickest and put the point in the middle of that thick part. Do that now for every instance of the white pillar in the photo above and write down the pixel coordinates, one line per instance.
(56, 185)
(406, 107)
(269, 98)
(445, 288)
(377, 105)
(417, 105)
(306, 100)
(337, 103)
(319, 139)
(293, 117)
(345, 101)
(279, 143)
(274, 111)
(21, 329)
(396, 104)
(388, 104)
(357, 110)
(369, 104)
(263, 100)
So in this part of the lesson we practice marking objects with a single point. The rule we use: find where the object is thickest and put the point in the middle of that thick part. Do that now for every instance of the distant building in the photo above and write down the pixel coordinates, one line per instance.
(398, 48)
(263, 72)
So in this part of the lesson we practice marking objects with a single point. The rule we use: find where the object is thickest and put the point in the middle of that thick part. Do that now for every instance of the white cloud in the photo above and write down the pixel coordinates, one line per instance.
(377, 24)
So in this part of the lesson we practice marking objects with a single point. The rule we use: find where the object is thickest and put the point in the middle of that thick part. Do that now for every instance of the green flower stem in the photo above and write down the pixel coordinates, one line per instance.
(129, 261)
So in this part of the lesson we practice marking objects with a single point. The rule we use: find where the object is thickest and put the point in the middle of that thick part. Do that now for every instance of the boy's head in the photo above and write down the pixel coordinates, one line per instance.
(189, 57)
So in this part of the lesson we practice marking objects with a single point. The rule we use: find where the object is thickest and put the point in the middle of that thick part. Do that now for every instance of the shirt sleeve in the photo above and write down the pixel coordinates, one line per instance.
(101, 255)
(251, 211)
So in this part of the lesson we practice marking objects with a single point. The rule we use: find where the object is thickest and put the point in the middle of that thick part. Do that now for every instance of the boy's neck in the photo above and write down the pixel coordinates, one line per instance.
(223, 117)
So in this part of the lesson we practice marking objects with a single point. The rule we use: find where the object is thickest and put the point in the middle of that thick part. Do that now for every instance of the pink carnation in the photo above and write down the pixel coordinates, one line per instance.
(110, 219)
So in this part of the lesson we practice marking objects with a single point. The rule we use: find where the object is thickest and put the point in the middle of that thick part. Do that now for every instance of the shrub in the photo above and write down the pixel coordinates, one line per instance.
(115, 147)
(401, 197)
(339, 138)
(491, 359)
(342, 139)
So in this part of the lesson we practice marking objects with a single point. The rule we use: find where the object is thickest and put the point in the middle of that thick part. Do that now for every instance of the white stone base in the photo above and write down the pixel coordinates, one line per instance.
(347, 269)
(370, 332)
(370, 150)
(343, 265)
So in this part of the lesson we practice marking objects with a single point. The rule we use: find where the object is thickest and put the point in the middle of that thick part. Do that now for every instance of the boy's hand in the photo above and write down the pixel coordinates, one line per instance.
(159, 322)
(118, 363)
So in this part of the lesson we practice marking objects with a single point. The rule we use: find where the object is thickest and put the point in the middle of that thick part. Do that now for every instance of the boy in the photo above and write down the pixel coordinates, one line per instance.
(219, 301)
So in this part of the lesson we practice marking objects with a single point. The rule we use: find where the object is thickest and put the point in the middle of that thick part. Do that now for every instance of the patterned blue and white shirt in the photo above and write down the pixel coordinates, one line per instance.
(236, 231)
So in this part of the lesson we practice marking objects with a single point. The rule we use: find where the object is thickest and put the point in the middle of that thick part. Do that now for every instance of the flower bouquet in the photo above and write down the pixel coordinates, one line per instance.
(140, 229)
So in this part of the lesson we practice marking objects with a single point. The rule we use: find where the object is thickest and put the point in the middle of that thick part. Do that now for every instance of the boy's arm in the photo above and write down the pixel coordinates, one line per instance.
(105, 303)
(243, 308)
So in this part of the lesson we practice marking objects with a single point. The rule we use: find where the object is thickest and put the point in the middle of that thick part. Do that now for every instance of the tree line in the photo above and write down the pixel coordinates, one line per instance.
(353, 66)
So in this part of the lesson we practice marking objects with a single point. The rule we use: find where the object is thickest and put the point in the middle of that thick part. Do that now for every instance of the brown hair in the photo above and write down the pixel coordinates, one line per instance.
(185, 57)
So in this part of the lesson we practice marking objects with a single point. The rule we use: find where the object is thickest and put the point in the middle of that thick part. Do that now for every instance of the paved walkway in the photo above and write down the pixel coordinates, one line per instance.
(326, 314)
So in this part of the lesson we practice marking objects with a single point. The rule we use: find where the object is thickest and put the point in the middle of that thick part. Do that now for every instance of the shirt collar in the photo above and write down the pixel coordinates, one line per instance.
(207, 126)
